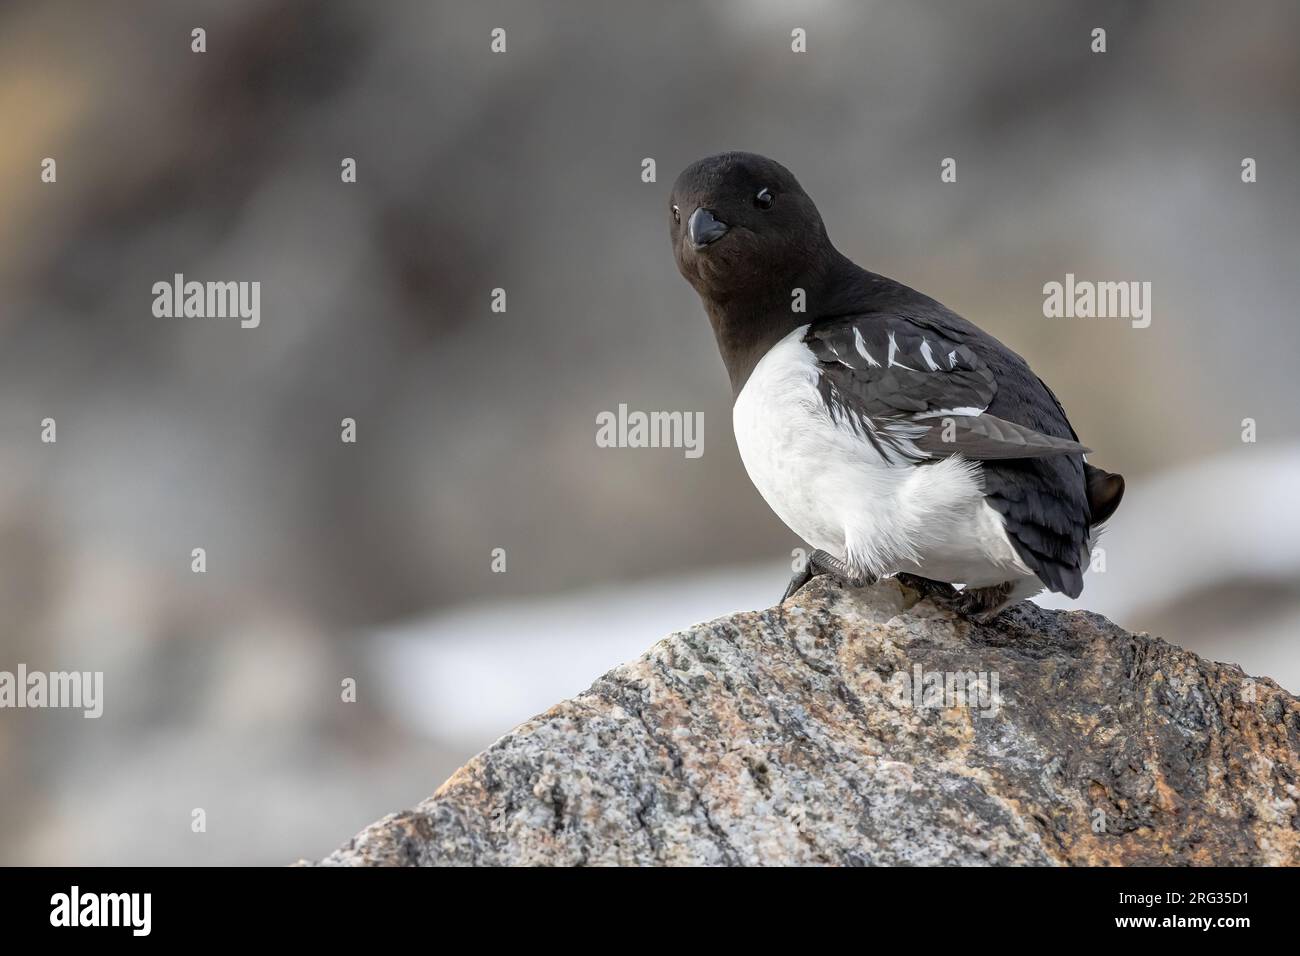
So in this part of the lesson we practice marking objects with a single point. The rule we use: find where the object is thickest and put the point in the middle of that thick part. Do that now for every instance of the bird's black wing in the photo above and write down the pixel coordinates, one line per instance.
(924, 385)
(916, 394)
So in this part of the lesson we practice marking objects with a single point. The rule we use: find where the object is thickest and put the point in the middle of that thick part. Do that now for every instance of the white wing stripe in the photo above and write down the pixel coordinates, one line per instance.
(893, 350)
(862, 348)
(966, 411)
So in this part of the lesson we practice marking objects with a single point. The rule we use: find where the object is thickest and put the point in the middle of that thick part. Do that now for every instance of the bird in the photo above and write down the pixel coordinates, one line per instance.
(892, 435)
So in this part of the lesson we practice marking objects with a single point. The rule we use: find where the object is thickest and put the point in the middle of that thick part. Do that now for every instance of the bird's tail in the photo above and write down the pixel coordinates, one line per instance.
(1105, 489)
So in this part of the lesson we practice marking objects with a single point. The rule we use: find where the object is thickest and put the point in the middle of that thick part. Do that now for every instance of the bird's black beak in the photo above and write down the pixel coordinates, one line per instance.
(704, 229)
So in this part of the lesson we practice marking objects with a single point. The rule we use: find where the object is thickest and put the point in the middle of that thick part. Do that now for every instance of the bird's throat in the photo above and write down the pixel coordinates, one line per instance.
(745, 331)
(747, 327)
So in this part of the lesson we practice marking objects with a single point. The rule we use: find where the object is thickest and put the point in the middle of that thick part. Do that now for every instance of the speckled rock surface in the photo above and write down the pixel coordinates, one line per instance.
(807, 735)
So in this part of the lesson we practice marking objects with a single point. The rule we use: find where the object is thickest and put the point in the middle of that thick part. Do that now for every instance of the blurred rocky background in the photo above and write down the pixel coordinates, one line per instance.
(476, 429)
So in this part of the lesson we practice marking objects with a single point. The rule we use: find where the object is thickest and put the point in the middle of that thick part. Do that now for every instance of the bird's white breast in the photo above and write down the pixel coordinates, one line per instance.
(834, 490)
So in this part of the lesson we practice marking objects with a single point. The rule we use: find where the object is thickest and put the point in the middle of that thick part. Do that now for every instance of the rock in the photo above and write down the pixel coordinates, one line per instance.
(802, 735)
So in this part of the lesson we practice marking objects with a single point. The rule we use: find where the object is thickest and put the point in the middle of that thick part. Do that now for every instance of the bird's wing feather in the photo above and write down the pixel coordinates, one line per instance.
(917, 393)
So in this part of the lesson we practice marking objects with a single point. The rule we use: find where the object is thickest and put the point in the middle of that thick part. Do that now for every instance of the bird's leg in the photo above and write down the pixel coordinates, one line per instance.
(938, 590)
(842, 574)
(820, 562)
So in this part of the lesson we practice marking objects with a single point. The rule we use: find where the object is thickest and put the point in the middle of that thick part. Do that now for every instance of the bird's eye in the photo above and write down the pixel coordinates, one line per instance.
(764, 199)
(677, 215)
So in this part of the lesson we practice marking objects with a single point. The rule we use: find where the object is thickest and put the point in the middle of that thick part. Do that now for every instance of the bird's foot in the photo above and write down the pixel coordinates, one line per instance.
(819, 563)
(939, 591)
(797, 581)
(982, 605)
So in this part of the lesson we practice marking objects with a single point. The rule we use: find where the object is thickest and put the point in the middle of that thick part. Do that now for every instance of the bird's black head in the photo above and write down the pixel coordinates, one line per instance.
(743, 228)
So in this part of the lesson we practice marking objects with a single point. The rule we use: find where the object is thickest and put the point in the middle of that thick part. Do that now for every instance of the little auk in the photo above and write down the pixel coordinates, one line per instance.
(886, 431)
